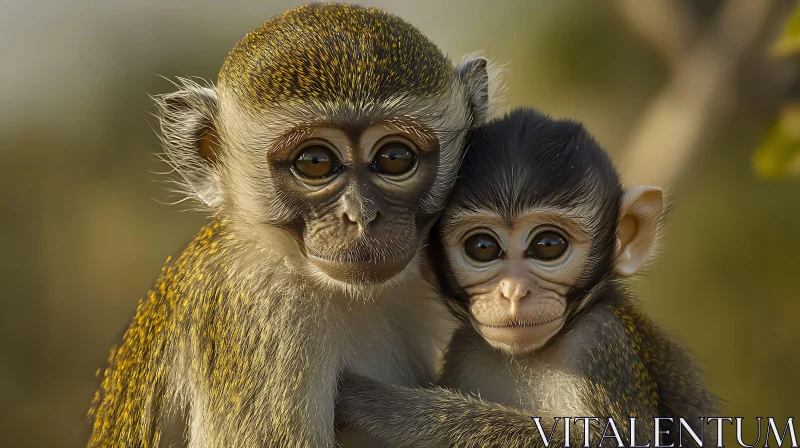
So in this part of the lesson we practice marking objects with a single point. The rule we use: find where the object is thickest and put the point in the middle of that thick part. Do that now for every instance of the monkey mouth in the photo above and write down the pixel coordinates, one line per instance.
(519, 323)
(362, 270)
(519, 332)
(347, 259)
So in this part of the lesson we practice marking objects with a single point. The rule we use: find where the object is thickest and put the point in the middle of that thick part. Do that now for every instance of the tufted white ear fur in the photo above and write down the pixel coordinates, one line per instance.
(640, 215)
(483, 83)
(190, 140)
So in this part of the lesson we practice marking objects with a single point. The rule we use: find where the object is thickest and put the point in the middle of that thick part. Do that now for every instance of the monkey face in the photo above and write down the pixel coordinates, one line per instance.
(343, 196)
(330, 143)
(356, 199)
(516, 276)
(536, 228)
(357, 189)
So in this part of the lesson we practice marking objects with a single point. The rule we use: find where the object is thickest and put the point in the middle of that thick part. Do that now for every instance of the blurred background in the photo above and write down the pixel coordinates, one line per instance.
(694, 96)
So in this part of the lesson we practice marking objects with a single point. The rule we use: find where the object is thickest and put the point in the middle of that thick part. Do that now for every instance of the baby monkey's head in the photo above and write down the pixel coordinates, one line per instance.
(537, 226)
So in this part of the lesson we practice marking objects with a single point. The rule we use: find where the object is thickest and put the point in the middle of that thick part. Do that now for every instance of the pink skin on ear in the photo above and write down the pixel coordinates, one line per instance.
(640, 212)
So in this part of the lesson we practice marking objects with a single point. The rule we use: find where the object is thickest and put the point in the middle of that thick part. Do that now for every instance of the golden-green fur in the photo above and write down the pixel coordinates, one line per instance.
(247, 357)
(127, 407)
(327, 51)
(241, 340)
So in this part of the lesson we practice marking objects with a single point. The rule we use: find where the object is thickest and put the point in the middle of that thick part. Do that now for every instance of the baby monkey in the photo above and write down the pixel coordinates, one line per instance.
(528, 255)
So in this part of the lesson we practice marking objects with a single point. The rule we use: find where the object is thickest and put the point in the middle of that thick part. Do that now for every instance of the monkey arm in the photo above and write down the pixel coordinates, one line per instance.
(417, 417)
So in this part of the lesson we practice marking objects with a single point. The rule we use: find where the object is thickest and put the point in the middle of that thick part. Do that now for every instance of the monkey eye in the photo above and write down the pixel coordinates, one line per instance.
(394, 158)
(316, 162)
(548, 245)
(482, 247)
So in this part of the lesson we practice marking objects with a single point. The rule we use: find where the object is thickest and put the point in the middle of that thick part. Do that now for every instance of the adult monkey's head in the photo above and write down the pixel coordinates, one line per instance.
(331, 141)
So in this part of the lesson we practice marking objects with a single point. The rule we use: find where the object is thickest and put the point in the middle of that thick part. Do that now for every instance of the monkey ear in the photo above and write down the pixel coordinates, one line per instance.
(475, 76)
(190, 140)
(640, 215)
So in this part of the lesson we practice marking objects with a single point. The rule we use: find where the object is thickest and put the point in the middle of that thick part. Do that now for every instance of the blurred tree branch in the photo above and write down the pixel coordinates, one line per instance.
(704, 80)
(669, 26)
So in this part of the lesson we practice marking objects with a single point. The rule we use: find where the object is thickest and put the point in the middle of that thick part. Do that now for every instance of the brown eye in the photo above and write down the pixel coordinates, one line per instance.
(548, 246)
(482, 247)
(394, 158)
(316, 162)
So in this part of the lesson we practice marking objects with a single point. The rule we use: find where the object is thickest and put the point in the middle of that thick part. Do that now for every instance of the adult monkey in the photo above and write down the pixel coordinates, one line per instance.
(325, 153)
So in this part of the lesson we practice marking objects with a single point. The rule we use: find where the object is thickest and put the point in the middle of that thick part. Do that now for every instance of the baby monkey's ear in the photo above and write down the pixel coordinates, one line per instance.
(640, 214)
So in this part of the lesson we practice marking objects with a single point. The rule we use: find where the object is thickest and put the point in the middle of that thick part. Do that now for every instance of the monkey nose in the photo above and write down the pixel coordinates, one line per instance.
(369, 216)
(362, 218)
(359, 211)
(514, 291)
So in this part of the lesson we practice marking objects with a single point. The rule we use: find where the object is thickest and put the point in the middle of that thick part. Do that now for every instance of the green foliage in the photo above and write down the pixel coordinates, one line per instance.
(788, 43)
(779, 152)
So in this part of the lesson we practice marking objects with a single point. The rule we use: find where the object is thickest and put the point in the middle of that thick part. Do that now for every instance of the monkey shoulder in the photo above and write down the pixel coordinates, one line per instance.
(189, 285)
(681, 388)
(609, 346)
(141, 365)
(626, 355)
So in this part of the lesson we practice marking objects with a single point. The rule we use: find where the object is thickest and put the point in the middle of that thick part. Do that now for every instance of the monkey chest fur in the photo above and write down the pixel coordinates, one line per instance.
(542, 382)
(398, 338)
